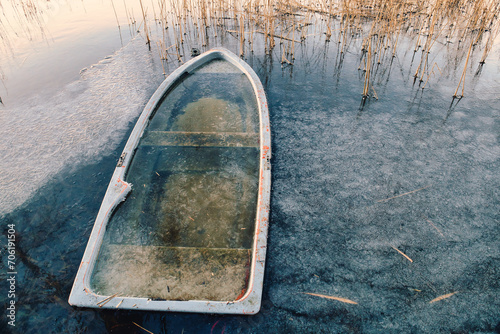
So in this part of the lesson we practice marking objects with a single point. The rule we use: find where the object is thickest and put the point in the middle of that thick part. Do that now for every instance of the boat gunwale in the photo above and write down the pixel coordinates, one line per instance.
(82, 294)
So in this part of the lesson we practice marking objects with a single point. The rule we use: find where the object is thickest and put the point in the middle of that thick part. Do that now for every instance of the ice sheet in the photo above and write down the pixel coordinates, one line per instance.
(87, 118)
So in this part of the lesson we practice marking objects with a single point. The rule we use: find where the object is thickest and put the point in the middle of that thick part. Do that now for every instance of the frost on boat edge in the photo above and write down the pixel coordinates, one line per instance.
(81, 294)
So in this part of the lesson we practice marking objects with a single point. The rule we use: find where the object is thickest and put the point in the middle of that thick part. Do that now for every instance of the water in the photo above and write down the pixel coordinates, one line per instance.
(337, 171)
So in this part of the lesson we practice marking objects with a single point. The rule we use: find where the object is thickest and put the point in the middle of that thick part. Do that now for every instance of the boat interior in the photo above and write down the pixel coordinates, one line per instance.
(186, 229)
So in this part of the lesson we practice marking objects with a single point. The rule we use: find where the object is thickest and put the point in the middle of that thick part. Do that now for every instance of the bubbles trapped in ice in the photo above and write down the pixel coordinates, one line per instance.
(186, 230)
(88, 117)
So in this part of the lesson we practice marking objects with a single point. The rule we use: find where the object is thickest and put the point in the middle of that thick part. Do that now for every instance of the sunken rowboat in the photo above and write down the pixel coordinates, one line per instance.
(183, 224)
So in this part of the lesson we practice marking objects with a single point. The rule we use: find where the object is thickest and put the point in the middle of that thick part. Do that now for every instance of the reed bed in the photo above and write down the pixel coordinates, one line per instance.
(376, 31)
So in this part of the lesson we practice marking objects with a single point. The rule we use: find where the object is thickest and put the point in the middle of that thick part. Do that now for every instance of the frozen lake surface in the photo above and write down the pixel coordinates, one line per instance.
(85, 119)
(390, 206)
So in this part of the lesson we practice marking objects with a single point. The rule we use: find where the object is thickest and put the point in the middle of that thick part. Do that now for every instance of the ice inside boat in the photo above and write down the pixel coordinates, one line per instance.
(186, 229)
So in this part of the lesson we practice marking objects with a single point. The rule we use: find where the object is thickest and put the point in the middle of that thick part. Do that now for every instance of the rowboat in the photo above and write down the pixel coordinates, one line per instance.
(183, 224)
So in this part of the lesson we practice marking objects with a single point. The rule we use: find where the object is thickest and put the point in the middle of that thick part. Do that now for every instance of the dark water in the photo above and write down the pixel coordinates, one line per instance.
(411, 172)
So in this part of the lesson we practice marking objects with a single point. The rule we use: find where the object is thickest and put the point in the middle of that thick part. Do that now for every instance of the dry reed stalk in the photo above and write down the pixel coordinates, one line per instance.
(448, 295)
(271, 28)
(163, 11)
(375, 95)
(489, 44)
(163, 56)
(425, 57)
(366, 85)
(144, 329)
(305, 24)
(395, 44)
(424, 23)
(344, 25)
(242, 35)
(340, 299)
(400, 252)
(417, 44)
(116, 16)
(145, 23)
(285, 38)
(431, 73)
(464, 72)
(283, 57)
(439, 231)
(155, 18)
(328, 30)
(106, 300)
(251, 37)
(408, 193)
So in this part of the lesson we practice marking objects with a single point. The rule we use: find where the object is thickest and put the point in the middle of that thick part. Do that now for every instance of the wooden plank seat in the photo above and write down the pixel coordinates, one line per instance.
(215, 139)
